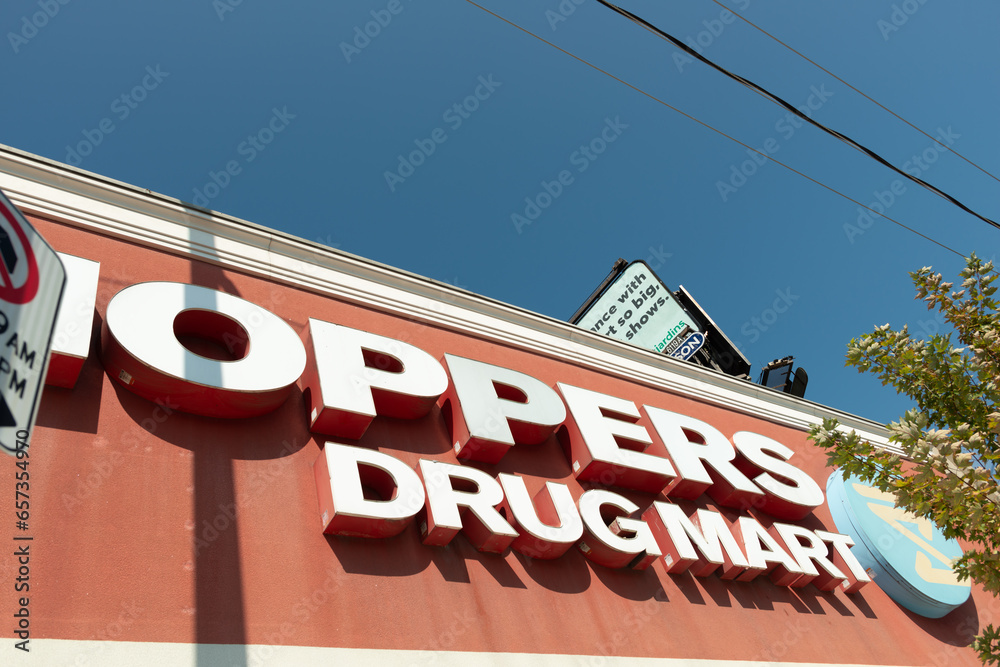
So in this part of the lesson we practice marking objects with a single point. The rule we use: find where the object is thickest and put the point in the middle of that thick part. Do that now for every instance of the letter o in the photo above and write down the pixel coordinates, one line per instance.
(769, 316)
(142, 352)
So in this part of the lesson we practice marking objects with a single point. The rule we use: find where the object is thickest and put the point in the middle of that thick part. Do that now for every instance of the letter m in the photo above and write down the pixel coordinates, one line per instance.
(679, 535)
(27, 357)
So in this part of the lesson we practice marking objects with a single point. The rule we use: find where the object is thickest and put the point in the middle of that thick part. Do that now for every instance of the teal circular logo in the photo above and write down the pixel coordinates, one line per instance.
(908, 556)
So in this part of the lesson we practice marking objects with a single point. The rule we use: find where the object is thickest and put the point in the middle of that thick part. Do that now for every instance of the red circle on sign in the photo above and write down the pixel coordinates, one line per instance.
(29, 289)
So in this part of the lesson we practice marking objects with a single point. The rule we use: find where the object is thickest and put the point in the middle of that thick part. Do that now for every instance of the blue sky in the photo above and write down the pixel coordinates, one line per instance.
(310, 115)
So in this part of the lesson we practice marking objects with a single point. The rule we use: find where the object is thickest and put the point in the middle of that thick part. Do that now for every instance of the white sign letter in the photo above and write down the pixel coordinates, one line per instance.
(357, 375)
(262, 356)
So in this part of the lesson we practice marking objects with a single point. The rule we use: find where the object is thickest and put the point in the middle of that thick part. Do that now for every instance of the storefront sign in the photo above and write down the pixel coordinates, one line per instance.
(908, 555)
(352, 377)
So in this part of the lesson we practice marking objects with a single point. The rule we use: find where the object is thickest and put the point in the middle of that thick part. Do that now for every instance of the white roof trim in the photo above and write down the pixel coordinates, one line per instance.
(106, 206)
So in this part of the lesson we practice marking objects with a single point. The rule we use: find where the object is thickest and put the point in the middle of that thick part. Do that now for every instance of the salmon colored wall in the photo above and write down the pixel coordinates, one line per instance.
(120, 492)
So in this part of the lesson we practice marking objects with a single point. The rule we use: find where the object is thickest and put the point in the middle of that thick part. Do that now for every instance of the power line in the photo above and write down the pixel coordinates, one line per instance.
(713, 129)
(859, 92)
(791, 108)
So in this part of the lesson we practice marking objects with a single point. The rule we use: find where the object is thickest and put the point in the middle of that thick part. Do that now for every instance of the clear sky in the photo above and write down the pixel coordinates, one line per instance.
(316, 122)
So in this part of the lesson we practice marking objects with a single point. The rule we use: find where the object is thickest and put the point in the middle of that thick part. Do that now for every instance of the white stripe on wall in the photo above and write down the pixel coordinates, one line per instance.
(93, 653)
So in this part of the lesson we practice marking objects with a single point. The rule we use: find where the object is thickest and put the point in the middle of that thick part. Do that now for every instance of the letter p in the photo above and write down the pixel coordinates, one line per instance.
(357, 375)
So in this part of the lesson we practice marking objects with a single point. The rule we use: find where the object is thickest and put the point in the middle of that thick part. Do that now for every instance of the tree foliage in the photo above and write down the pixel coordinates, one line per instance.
(950, 439)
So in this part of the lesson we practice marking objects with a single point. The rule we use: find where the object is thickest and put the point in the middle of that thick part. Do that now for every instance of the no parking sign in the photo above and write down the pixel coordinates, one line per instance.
(31, 285)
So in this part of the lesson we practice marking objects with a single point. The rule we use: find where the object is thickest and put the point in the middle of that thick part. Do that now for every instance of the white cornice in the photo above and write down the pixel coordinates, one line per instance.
(106, 206)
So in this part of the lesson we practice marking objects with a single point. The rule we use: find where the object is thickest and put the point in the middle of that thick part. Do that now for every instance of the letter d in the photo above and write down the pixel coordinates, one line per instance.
(426, 146)
(94, 136)
(883, 196)
(199, 199)
(554, 188)
(714, 26)
(73, 158)
(209, 534)
(360, 35)
(403, 164)
(531, 210)
(737, 179)
(28, 27)
(103, 469)
(51, 7)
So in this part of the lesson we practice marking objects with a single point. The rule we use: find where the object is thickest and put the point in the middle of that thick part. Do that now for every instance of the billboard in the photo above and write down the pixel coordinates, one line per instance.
(638, 308)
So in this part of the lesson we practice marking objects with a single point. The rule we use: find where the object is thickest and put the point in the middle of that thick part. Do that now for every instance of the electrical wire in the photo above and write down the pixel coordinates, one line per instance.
(791, 108)
(713, 129)
(859, 92)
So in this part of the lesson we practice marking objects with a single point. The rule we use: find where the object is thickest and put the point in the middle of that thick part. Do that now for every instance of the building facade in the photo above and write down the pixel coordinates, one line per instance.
(180, 514)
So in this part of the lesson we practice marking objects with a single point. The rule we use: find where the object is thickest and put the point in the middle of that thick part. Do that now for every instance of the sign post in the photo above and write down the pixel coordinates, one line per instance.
(32, 279)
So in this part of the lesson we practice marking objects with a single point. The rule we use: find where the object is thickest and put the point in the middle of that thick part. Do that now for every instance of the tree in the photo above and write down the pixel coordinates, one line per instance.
(950, 439)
